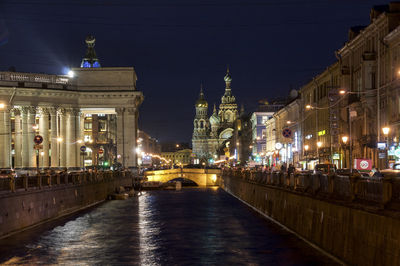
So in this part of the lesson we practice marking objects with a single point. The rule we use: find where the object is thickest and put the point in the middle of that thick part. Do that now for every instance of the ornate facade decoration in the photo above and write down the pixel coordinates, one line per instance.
(211, 133)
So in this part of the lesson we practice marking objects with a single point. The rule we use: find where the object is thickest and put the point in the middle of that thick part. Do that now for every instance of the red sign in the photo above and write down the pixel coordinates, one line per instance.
(363, 164)
(38, 139)
(287, 133)
(101, 151)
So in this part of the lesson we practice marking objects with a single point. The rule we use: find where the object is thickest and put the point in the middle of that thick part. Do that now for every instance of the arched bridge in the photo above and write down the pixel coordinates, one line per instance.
(202, 177)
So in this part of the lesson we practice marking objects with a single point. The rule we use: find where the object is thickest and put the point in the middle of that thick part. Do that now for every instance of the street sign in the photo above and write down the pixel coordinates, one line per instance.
(101, 151)
(83, 148)
(287, 133)
(38, 139)
(363, 164)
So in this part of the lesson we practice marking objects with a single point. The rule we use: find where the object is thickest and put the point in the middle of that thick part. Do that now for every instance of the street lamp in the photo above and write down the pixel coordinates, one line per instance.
(2, 105)
(319, 145)
(306, 147)
(344, 140)
(386, 131)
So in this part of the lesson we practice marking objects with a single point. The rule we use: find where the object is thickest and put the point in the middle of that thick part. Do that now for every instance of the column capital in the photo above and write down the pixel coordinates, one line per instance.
(72, 111)
(44, 110)
(131, 110)
(31, 110)
(52, 110)
(61, 111)
(119, 110)
(16, 111)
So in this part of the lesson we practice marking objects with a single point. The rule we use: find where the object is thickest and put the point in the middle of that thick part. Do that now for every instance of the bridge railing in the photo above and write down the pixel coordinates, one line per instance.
(25, 182)
(377, 192)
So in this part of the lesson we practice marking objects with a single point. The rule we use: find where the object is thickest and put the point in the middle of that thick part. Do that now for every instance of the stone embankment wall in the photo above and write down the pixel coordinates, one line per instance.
(354, 232)
(40, 199)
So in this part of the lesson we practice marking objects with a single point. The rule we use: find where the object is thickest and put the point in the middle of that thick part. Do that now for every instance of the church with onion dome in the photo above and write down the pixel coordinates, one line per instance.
(210, 134)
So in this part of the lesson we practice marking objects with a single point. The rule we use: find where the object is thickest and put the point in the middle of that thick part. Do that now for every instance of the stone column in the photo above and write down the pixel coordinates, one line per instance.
(53, 137)
(120, 135)
(62, 135)
(17, 139)
(79, 136)
(44, 132)
(7, 138)
(71, 139)
(130, 132)
(24, 138)
(2, 144)
(31, 135)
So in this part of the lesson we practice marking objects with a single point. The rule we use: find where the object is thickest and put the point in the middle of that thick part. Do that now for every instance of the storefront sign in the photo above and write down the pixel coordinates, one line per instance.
(363, 164)
(381, 145)
(336, 156)
(321, 133)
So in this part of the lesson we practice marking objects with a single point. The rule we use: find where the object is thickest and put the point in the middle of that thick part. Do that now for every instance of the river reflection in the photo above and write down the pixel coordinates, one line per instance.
(187, 227)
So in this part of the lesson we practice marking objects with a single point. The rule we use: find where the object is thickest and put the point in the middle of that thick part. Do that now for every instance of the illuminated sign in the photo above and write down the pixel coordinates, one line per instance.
(336, 156)
(321, 133)
(309, 136)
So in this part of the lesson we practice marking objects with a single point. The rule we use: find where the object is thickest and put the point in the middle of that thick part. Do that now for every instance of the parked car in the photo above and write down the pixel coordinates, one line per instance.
(347, 172)
(324, 168)
(5, 173)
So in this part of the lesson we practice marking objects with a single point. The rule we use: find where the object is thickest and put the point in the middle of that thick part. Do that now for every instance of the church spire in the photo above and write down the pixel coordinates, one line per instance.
(228, 80)
(201, 102)
(215, 110)
(90, 59)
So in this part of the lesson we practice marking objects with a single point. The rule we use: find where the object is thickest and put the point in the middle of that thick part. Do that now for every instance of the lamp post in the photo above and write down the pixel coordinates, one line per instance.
(385, 131)
(59, 140)
(306, 147)
(344, 139)
(319, 144)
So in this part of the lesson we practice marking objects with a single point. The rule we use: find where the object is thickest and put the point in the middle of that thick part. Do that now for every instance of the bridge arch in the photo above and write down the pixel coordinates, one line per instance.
(202, 177)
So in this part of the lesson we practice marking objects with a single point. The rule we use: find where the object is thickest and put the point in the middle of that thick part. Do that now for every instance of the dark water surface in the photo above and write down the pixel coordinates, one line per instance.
(187, 227)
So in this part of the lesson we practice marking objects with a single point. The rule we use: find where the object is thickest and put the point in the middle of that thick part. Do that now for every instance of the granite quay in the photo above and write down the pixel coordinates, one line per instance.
(352, 218)
(31, 200)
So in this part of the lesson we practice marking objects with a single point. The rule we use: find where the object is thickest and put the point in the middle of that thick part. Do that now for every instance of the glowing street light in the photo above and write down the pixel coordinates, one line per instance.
(59, 139)
(386, 130)
(79, 141)
(306, 147)
(71, 74)
(319, 144)
(308, 106)
(2, 105)
(345, 139)
(342, 92)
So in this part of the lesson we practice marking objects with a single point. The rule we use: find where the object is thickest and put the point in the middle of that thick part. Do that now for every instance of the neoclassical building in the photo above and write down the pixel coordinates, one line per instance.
(210, 133)
(96, 107)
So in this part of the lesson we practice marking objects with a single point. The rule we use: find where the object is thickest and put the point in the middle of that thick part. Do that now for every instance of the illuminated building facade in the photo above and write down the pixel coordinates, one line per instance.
(97, 107)
(211, 133)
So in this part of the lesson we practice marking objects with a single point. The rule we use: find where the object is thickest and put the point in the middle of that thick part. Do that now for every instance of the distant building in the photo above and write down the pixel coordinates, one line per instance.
(147, 147)
(211, 133)
(180, 157)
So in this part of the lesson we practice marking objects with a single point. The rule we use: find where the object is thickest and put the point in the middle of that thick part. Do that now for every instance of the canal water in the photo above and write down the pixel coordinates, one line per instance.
(199, 226)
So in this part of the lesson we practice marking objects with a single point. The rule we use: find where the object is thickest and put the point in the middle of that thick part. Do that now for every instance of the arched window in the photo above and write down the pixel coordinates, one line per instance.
(201, 124)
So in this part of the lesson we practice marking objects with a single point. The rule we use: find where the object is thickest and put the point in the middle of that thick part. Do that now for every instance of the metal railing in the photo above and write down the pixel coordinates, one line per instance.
(25, 182)
(374, 192)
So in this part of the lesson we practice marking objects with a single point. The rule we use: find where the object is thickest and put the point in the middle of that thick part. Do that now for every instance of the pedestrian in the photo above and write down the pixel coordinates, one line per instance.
(283, 168)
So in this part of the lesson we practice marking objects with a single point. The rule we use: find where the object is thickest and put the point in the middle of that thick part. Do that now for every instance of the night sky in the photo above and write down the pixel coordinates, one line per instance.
(175, 45)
